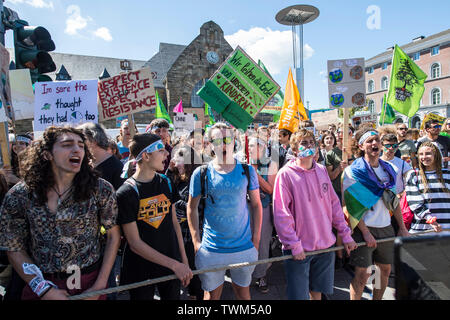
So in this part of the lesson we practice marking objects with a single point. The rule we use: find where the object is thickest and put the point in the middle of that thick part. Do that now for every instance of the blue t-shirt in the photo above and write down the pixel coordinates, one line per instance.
(226, 227)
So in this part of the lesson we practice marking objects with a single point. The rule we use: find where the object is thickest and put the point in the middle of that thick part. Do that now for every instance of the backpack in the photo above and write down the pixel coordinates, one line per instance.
(131, 182)
(204, 185)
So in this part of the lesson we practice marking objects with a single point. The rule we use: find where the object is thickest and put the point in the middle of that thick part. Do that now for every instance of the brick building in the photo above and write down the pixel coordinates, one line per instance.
(432, 55)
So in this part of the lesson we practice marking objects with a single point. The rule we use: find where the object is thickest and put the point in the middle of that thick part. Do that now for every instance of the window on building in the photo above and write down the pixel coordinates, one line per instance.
(416, 56)
(196, 101)
(385, 65)
(370, 70)
(435, 50)
(436, 96)
(371, 86)
(371, 106)
(435, 70)
(384, 83)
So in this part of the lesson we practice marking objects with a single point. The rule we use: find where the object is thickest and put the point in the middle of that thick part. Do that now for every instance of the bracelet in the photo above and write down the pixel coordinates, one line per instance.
(431, 220)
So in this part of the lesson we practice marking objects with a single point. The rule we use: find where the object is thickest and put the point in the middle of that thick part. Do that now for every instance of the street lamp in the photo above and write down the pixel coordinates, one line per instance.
(294, 16)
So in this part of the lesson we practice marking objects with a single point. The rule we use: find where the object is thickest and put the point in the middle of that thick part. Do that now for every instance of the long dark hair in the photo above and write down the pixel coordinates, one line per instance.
(191, 162)
(37, 173)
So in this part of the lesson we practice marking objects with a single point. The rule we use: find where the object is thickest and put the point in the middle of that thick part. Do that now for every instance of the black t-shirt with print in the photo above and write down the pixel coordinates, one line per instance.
(152, 212)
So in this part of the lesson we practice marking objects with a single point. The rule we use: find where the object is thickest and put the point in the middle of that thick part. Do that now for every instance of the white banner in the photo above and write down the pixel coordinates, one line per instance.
(60, 103)
(184, 121)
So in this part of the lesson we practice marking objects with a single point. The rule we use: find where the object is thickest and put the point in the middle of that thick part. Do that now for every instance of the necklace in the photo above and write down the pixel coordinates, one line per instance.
(60, 194)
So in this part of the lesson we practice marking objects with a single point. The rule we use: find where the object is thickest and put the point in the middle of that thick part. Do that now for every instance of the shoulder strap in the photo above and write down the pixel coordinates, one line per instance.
(132, 183)
(168, 181)
(247, 174)
(203, 179)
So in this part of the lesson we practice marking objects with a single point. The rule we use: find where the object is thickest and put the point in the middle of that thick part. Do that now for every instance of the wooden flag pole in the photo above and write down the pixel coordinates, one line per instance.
(345, 135)
(4, 146)
(131, 125)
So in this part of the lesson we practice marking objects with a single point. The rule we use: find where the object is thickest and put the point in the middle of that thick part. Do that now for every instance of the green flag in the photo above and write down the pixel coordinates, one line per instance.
(279, 97)
(161, 112)
(209, 117)
(387, 113)
(407, 84)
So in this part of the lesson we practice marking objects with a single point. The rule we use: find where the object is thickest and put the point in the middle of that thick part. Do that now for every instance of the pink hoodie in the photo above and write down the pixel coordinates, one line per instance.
(305, 208)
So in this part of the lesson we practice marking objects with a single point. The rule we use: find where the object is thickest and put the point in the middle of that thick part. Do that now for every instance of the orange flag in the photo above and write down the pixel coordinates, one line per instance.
(293, 109)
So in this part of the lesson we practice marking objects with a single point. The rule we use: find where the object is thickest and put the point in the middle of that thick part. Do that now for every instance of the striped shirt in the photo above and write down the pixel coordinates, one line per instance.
(434, 203)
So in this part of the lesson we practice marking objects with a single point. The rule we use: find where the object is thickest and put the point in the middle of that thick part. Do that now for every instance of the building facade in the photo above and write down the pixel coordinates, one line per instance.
(432, 55)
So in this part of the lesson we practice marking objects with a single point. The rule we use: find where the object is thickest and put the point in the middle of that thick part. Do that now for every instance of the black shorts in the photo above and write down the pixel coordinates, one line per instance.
(364, 257)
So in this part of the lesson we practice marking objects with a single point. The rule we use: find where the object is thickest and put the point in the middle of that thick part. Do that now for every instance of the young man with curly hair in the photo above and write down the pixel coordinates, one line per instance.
(50, 223)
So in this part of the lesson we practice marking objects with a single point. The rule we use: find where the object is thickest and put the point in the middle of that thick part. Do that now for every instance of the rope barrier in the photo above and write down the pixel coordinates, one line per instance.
(220, 268)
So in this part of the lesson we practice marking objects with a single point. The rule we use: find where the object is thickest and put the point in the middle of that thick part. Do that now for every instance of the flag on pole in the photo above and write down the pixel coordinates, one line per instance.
(293, 110)
(161, 112)
(406, 87)
(179, 107)
(279, 97)
(387, 113)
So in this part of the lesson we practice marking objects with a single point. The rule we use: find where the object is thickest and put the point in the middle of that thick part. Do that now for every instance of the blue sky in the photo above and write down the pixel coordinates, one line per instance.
(133, 29)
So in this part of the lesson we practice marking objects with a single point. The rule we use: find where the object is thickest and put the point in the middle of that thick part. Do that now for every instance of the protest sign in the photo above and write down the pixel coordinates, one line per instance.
(432, 116)
(239, 89)
(184, 121)
(5, 92)
(59, 103)
(346, 83)
(125, 94)
(364, 118)
(22, 95)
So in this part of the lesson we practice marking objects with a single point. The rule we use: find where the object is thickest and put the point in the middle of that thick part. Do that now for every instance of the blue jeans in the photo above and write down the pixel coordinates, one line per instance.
(315, 273)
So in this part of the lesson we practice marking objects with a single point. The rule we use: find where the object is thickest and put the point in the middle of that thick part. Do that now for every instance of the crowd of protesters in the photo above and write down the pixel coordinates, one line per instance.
(133, 208)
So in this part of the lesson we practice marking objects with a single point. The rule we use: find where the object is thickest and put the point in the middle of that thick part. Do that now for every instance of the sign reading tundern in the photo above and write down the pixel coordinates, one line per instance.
(239, 89)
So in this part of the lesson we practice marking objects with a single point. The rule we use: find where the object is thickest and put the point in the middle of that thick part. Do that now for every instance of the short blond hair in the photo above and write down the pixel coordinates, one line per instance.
(300, 135)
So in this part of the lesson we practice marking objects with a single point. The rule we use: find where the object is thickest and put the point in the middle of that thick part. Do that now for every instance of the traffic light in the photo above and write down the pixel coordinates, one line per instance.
(31, 46)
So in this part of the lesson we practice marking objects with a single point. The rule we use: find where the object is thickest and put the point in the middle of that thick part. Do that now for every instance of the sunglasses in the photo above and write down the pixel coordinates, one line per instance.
(402, 129)
(436, 127)
(389, 146)
(219, 141)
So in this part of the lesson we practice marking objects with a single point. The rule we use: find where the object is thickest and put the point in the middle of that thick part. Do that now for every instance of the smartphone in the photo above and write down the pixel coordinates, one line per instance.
(422, 267)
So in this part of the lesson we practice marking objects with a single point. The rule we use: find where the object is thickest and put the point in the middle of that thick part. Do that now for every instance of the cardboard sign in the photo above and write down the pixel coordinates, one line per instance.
(432, 116)
(365, 118)
(125, 94)
(60, 103)
(5, 92)
(346, 83)
(239, 89)
(184, 121)
(22, 95)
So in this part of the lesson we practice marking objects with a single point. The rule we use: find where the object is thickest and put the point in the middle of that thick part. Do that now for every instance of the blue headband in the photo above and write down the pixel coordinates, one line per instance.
(155, 146)
(366, 136)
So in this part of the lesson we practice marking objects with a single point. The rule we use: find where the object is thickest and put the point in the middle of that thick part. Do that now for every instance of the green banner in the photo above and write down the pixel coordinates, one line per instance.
(239, 90)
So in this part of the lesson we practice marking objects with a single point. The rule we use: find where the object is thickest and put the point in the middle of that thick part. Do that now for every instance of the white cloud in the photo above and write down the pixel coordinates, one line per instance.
(104, 34)
(34, 3)
(272, 47)
(75, 21)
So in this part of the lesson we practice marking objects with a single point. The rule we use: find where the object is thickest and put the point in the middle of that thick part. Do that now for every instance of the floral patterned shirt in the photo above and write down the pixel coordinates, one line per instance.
(55, 241)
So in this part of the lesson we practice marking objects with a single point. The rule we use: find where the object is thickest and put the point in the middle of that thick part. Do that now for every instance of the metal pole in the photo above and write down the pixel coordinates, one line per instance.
(2, 26)
(300, 70)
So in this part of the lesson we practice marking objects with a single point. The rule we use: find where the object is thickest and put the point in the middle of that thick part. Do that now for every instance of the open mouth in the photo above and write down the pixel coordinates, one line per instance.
(375, 149)
(75, 160)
